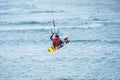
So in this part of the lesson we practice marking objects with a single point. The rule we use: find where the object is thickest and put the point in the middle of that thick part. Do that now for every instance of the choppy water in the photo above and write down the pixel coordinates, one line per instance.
(94, 50)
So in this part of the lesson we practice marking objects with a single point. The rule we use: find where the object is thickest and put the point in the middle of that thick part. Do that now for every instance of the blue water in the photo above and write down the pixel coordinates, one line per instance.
(92, 54)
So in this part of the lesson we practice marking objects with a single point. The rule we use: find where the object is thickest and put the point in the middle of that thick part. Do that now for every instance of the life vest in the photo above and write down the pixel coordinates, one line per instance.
(56, 41)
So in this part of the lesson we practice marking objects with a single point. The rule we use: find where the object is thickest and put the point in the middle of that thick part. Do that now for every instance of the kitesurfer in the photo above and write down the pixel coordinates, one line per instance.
(56, 41)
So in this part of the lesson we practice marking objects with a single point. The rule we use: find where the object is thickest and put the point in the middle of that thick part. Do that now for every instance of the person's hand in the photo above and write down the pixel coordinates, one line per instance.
(52, 32)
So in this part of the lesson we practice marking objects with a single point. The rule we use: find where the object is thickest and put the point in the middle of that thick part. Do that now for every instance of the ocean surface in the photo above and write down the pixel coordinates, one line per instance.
(92, 54)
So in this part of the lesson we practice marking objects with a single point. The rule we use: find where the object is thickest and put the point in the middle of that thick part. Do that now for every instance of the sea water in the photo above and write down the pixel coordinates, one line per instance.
(92, 25)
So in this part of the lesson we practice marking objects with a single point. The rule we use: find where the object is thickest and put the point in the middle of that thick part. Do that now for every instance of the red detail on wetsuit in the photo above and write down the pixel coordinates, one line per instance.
(56, 41)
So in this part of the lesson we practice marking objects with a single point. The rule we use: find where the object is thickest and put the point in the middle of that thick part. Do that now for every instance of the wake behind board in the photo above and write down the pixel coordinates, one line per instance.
(66, 40)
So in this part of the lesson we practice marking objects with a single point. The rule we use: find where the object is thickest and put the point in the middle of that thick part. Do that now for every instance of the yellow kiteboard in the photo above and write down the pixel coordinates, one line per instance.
(51, 49)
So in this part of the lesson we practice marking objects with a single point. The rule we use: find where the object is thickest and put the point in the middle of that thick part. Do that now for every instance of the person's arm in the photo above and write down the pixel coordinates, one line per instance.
(51, 36)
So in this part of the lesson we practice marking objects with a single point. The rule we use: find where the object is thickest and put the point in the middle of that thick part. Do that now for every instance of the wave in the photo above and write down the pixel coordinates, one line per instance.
(22, 41)
(4, 13)
(48, 11)
(98, 41)
(36, 28)
(6, 7)
(32, 12)
(34, 23)
(41, 28)
(111, 23)
(26, 23)
(44, 41)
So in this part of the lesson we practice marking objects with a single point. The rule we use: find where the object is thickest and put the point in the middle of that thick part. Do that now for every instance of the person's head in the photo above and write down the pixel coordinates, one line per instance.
(56, 36)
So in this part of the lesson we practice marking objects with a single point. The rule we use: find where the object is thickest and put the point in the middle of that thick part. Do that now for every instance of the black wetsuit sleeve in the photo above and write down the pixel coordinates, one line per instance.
(51, 36)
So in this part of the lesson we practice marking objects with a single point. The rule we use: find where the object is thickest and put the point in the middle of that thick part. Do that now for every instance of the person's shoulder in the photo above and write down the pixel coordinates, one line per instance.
(53, 38)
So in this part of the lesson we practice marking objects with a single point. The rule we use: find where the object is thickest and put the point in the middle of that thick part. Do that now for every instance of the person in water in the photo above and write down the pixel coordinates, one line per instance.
(56, 41)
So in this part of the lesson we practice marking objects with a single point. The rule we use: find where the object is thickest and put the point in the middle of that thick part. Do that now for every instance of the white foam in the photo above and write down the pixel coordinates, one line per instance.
(24, 28)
